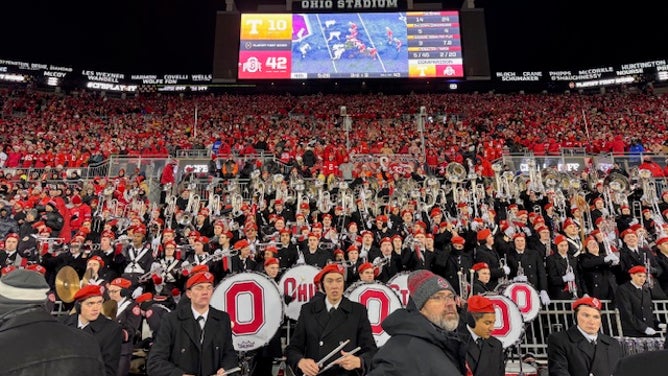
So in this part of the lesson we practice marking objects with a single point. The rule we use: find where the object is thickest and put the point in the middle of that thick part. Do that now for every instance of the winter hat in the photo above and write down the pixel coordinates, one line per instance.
(422, 284)
(23, 287)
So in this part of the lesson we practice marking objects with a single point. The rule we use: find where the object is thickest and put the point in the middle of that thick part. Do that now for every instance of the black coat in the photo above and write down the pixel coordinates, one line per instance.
(60, 351)
(556, 269)
(177, 349)
(317, 334)
(417, 348)
(533, 267)
(493, 260)
(597, 276)
(486, 360)
(636, 310)
(646, 363)
(108, 336)
(570, 354)
(130, 320)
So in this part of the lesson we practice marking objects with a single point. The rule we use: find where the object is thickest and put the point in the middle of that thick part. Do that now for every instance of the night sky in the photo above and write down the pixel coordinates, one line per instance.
(177, 36)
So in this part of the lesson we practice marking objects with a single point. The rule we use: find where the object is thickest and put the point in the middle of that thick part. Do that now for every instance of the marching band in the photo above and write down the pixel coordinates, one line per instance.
(564, 236)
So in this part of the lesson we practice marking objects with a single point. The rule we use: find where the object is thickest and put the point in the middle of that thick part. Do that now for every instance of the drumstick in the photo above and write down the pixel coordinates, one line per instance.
(331, 354)
(230, 371)
(330, 365)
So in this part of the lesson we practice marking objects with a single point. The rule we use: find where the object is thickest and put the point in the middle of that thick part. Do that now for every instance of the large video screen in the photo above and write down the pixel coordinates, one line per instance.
(350, 45)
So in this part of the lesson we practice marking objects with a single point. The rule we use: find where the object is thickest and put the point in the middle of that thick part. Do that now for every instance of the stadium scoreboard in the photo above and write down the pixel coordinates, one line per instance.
(350, 45)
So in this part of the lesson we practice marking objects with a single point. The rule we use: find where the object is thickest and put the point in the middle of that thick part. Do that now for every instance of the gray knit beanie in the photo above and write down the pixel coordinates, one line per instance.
(422, 284)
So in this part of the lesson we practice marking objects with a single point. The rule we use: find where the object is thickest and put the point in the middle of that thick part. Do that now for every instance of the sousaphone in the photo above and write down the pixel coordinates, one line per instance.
(67, 284)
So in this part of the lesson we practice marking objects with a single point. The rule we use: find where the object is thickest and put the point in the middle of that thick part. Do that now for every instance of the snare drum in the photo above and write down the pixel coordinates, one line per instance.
(525, 296)
(509, 325)
(380, 300)
(297, 283)
(251, 299)
(513, 369)
(637, 345)
(399, 283)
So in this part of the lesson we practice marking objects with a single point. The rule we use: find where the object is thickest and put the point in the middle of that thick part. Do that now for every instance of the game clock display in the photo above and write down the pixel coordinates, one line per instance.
(350, 45)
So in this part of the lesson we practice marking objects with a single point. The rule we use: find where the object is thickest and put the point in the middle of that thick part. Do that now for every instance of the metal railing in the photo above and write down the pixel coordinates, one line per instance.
(558, 316)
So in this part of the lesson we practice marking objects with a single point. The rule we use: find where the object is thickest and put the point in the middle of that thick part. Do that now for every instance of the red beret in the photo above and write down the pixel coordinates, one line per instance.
(568, 222)
(168, 231)
(202, 239)
(542, 228)
(418, 230)
(628, 231)
(458, 240)
(122, 283)
(397, 236)
(661, 241)
(352, 248)
(304, 205)
(480, 266)
(368, 265)
(386, 240)
(139, 230)
(637, 269)
(271, 261)
(98, 259)
(219, 223)
(435, 211)
(382, 218)
(38, 224)
(366, 232)
(462, 205)
(145, 297)
(36, 268)
(559, 239)
(12, 235)
(429, 236)
(197, 278)
(330, 268)
(483, 234)
(108, 234)
(519, 235)
(88, 291)
(317, 225)
(588, 301)
(170, 243)
(243, 243)
(285, 231)
(480, 304)
(199, 268)
(278, 201)
(338, 252)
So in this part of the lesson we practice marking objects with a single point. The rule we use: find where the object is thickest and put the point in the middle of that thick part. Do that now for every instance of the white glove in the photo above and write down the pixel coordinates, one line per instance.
(650, 332)
(520, 278)
(218, 252)
(155, 266)
(138, 291)
(527, 231)
(544, 297)
(568, 277)
(506, 269)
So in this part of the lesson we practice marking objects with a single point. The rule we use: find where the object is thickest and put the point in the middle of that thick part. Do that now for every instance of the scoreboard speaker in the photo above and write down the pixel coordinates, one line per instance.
(474, 44)
(226, 48)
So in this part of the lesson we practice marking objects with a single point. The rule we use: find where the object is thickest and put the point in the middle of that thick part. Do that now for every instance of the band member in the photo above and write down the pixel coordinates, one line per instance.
(633, 254)
(367, 273)
(92, 274)
(9, 255)
(128, 316)
(195, 339)
(313, 253)
(563, 275)
(287, 252)
(458, 261)
(583, 350)
(482, 278)
(484, 355)
(138, 255)
(423, 339)
(526, 266)
(662, 261)
(634, 301)
(572, 233)
(486, 253)
(243, 261)
(23, 318)
(355, 263)
(389, 262)
(597, 276)
(113, 262)
(324, 323)
(88, 317)
(201, 256)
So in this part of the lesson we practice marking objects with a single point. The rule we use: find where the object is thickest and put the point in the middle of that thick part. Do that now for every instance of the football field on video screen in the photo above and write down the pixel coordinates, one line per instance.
(349, 43)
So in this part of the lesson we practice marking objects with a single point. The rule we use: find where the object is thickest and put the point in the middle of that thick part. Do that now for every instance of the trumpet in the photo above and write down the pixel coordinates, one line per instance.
(464, 286)
(170, 209)
(502, 264)
(648, 267)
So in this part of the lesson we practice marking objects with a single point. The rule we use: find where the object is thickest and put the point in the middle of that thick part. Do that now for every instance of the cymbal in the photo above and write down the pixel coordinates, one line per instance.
(110, 308)
(67, 284)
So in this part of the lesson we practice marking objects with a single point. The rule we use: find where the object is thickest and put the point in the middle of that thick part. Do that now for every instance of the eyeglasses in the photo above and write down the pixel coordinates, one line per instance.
(443, 298)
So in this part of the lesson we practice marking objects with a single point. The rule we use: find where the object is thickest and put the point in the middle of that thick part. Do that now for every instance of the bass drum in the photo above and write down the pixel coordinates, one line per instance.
(509, 326)
(380, 300)
(399, 283)
(524, 295)
(297, 283)
(251, 299)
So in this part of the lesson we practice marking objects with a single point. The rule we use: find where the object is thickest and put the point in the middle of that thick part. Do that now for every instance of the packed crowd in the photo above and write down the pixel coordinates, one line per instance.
(566, 242)
(455, 124)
